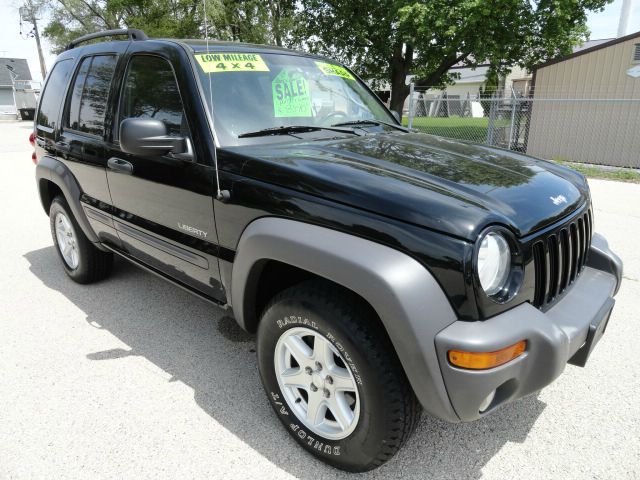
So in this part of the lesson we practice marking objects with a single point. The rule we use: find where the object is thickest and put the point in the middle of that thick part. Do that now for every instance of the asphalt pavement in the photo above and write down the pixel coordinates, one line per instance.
(134, 378)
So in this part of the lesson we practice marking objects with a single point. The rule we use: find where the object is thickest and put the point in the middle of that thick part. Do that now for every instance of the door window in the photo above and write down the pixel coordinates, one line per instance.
(88, 102)
(151, 91)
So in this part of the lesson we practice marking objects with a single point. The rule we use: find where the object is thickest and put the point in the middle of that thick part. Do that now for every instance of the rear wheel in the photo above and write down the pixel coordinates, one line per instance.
(81, 260)
(333, 377)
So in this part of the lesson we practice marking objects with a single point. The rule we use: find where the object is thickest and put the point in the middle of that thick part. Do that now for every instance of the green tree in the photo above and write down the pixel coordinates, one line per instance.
(386, 40)
(253, 21)
(158, 18)
(491, 86)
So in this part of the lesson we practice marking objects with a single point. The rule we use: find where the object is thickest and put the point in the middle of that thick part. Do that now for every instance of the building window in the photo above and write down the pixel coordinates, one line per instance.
(636, 53)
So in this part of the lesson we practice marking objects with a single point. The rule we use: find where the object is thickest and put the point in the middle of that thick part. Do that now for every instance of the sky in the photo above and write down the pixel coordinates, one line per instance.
(605, 24)
(12, 44)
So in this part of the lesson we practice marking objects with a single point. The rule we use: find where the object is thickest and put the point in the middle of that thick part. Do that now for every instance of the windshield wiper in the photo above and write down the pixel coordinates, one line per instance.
(287, 129)
(371, 122)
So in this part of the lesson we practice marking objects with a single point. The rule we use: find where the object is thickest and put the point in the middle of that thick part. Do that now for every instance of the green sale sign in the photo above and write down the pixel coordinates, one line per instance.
(291, 96)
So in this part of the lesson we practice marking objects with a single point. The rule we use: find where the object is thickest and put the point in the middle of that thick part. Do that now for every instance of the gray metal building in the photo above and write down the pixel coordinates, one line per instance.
(586, 106)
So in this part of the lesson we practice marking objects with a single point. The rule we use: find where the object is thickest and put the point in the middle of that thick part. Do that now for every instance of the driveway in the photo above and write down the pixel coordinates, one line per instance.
(135, 378)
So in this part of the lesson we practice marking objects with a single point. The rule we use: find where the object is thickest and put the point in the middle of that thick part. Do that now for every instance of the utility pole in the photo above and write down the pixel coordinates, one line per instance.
(29, 12)
(625, 14)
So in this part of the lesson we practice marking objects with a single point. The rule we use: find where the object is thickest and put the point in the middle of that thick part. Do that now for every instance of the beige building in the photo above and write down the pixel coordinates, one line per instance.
(586, 106)
(467, 87)
(471, 80)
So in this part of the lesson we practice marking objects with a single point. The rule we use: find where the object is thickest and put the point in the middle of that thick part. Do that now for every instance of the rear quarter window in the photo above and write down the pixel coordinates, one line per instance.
(73, 118)
(50, 103)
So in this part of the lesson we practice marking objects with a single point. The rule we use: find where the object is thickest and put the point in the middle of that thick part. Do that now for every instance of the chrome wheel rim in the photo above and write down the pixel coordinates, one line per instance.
(317, 383)
(67, 241)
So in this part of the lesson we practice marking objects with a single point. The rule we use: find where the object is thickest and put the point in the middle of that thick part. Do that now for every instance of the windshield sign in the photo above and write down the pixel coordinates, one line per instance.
(238, 62)
(254, 92)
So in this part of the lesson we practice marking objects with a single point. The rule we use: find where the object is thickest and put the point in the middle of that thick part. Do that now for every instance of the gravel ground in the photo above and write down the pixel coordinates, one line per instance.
(134, 378)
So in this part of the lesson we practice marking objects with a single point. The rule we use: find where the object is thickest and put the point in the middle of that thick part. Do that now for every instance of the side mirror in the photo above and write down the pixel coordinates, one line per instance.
(148, 137)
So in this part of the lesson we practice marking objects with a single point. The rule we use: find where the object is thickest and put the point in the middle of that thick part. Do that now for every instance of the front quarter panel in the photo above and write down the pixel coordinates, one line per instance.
(447, 258)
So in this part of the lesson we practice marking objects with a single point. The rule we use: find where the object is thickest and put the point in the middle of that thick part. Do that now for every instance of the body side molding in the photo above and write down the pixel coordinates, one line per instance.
(409, 301)
(53, 170)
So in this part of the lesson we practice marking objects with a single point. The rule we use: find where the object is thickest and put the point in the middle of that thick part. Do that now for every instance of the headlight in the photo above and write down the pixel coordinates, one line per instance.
(494, 263)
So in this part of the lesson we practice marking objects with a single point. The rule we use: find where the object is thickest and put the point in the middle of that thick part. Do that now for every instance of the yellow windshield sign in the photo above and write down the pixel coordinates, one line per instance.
(335, 70)
(231, 62)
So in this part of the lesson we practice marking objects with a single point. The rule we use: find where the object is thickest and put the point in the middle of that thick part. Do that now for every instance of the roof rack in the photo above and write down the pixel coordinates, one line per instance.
(133, 34)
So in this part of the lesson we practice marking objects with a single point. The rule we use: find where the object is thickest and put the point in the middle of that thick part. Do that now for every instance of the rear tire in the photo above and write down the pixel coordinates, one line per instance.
(375, 412)
(81, 260)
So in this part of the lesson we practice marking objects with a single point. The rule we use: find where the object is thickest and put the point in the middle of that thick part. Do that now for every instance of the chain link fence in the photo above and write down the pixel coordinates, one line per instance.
(597, 128)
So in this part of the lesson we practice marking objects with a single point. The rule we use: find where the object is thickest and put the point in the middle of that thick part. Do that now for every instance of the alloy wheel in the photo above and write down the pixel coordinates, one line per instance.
(67, 241)
(317, 383)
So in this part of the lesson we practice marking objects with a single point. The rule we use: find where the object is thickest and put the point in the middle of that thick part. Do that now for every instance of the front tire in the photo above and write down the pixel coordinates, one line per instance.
(333, 378)
(81, 260)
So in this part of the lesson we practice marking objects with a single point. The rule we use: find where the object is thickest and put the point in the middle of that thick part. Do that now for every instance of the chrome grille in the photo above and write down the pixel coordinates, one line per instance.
(559, 258)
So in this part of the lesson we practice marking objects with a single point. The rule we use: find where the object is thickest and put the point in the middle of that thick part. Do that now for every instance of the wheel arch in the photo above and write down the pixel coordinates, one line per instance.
(48, 191)
(55, 178)
(397, 288)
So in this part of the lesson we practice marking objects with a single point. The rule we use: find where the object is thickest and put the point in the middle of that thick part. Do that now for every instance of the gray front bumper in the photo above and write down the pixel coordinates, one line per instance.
(554, 338)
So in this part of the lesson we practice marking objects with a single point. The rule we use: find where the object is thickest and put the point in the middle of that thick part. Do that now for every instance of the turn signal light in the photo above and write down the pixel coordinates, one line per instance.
(484, 360)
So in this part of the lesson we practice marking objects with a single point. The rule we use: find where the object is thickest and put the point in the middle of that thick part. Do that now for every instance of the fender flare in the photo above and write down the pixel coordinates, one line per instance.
(602, 258)
(412, 306)
(50, 169)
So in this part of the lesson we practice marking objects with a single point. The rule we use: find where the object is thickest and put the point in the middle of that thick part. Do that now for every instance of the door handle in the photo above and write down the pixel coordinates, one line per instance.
(120, 165)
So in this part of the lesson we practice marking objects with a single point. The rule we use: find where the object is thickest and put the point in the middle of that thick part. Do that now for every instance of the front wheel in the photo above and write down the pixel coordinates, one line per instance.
(333, 377)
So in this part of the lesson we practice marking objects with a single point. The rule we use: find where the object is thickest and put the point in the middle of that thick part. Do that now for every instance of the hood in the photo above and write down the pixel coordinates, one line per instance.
(441, 184)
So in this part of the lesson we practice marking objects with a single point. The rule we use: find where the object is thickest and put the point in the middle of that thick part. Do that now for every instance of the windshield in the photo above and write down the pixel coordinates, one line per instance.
(253, 92)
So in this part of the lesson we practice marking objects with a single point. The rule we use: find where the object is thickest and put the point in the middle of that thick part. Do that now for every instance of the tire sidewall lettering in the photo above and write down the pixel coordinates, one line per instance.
(295, 320)
(318, 444)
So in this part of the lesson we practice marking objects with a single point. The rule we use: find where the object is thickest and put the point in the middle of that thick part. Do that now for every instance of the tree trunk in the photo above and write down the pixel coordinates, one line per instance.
(276, 19)
(400, 67)
(399, 92)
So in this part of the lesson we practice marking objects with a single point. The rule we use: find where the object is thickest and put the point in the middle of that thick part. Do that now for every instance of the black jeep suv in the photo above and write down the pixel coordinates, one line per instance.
(383, 270)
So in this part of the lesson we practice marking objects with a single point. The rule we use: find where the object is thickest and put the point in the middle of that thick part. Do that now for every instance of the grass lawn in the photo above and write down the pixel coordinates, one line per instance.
(463, 128)
(606, 173)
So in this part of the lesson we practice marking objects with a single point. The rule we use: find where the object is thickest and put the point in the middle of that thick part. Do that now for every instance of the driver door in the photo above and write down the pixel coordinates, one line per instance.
(163, 205)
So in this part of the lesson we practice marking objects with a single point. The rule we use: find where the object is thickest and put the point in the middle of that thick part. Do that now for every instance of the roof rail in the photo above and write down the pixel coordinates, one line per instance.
(132, 33)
